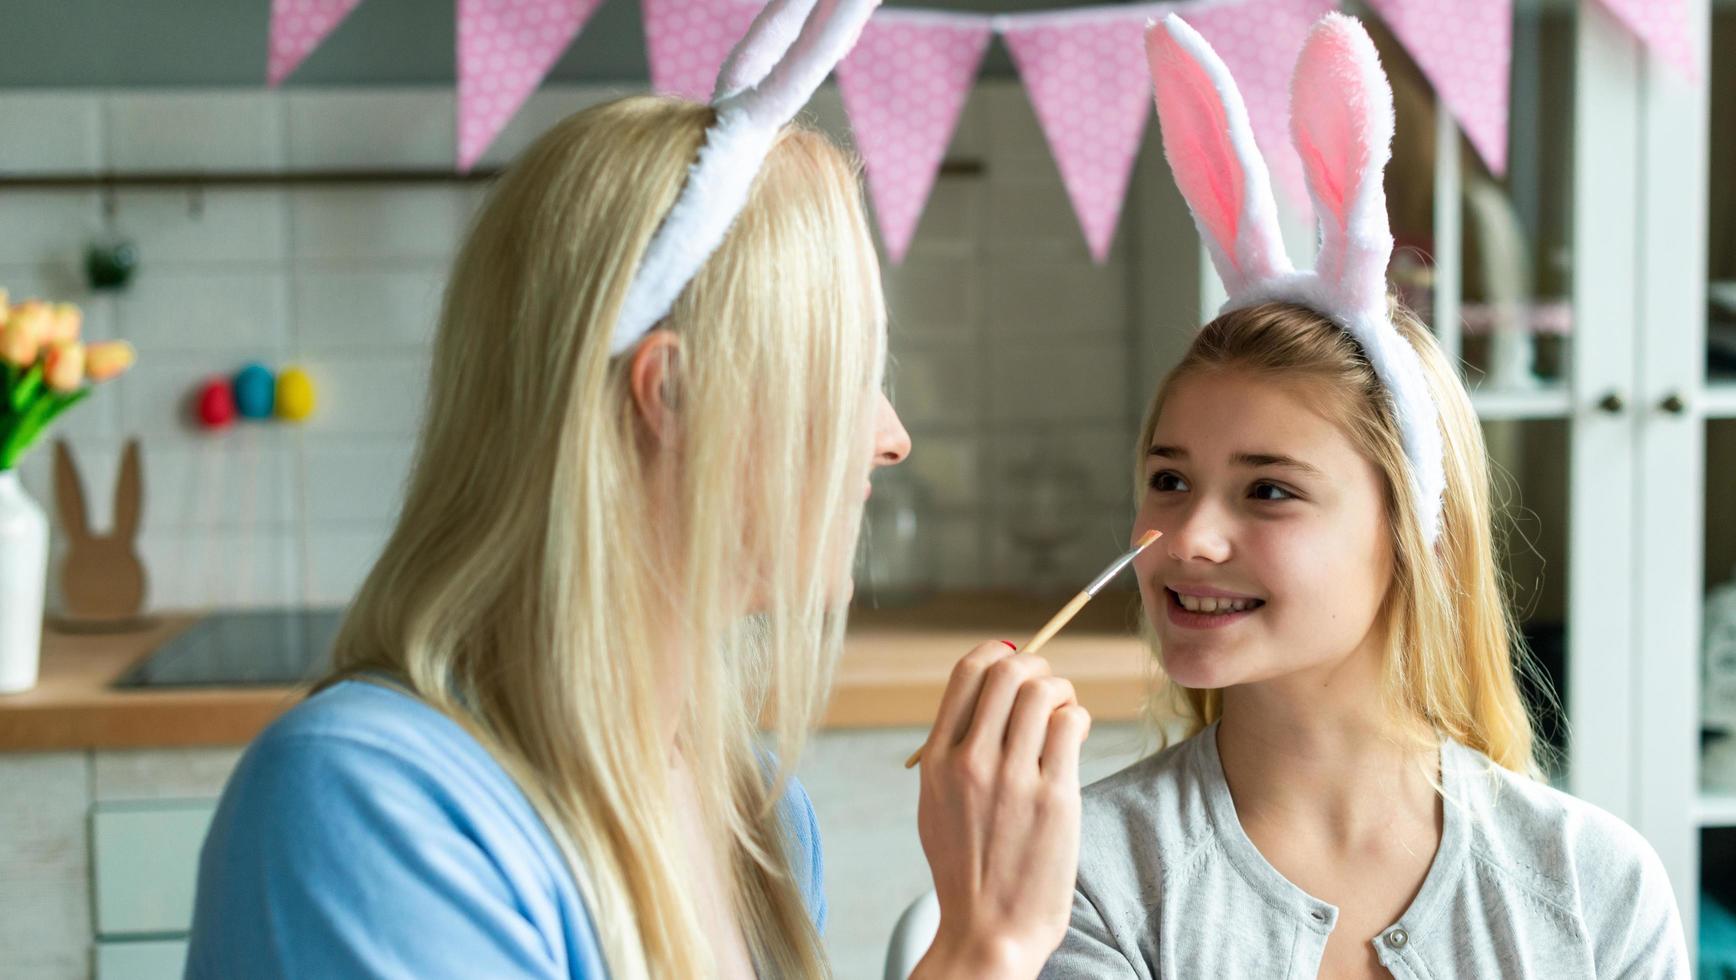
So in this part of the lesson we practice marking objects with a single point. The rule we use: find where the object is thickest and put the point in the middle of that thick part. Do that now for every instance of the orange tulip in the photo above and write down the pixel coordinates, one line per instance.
(63, 367)
(107, 359)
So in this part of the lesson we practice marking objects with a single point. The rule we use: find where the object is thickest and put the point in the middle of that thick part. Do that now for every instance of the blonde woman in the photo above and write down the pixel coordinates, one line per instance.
(539, 753)
(1358, 794)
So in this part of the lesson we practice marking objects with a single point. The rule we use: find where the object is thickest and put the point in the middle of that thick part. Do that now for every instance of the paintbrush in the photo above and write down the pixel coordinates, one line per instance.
(1072, 608)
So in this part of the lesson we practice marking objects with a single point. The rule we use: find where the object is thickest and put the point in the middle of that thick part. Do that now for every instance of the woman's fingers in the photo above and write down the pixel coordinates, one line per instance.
(958, 703)
(1068, 728)
(1033, 716)
(988, 724)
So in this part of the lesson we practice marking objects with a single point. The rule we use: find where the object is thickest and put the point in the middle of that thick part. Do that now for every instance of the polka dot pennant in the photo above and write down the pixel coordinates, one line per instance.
(1259, 41)
(1664, 27)
(1087, 80)
(687, 40)
(1466, 51)
(904, 85)
(297, 27)
(505, 47)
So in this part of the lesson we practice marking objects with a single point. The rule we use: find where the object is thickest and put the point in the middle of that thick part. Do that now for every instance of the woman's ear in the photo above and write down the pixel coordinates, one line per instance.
(651, 377)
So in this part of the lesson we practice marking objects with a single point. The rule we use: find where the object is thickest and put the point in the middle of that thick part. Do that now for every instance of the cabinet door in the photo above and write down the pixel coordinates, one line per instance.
(145, 859)
(161, 959)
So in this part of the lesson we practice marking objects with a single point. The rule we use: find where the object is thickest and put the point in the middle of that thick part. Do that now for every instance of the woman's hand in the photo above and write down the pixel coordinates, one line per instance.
(999, 815)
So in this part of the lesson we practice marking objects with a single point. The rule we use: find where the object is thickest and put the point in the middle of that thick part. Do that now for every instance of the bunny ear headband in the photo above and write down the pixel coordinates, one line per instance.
(1341, 120)
(788, 51)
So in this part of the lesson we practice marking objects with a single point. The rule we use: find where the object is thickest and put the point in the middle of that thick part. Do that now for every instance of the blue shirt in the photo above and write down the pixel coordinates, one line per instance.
(366, 834)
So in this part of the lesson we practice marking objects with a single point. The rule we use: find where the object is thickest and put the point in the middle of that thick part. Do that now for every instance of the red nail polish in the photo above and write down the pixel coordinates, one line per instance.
(1011, 646)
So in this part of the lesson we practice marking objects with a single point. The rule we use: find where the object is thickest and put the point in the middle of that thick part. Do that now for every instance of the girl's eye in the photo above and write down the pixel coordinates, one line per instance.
(1166, 481)
(1271, 491)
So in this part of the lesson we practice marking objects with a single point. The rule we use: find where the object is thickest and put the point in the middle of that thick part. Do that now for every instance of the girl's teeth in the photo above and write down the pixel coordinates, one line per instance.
(1208, 604)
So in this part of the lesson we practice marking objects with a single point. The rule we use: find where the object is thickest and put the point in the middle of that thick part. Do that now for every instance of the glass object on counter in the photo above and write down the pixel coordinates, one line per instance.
(897, 560)
(1047, 511)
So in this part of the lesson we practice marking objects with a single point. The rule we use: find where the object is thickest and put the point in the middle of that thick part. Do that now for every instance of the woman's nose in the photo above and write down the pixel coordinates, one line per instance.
(891, 442)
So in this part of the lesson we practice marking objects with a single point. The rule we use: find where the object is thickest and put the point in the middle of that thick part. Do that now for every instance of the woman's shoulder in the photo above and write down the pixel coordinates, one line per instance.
(1559, 848)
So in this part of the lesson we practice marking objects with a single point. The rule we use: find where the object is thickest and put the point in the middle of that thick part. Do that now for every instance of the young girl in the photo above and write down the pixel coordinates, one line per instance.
(653, 410)
(1358, 796)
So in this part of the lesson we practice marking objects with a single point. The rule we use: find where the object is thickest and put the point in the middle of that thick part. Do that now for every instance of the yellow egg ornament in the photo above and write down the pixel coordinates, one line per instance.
(295, 395)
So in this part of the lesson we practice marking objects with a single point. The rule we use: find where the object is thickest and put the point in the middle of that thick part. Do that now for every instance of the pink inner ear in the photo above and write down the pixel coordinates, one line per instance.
(1196, 139)
(1330, 119)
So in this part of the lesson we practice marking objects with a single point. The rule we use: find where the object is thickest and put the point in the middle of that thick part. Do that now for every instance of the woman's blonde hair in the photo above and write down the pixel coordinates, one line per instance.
(531, 569)
(1453, 652)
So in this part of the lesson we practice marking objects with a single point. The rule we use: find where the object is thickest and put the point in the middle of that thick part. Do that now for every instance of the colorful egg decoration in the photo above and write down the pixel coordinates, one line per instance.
(255, 391)
(216, 404)
(295, 395)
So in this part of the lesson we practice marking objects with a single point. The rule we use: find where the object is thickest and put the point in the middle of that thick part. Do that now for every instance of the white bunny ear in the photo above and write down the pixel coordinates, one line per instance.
(1341, 119)
(769, 37)
(1210, 147)
(787, 52)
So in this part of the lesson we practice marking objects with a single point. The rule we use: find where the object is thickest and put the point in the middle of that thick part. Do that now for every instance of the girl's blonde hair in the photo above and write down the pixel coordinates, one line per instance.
(1454, 653)
(530, 569)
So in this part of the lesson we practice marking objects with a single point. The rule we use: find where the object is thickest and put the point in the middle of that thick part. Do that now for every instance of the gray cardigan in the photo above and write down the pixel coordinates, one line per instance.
(1527, 882)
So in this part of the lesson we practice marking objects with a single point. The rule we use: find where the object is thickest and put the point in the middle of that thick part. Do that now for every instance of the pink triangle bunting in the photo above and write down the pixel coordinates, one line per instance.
(297, 27)
(1086, 76)
(1259, 41)
(505, 48)
(1663, 26)
(687, 40)
(1466, 51)
(904, 85)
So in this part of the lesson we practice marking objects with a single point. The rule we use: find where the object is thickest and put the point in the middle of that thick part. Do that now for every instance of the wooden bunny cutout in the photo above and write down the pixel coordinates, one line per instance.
(101, 577)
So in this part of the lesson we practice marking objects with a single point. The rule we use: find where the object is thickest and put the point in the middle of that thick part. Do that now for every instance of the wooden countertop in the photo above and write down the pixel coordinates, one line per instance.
(893, 671)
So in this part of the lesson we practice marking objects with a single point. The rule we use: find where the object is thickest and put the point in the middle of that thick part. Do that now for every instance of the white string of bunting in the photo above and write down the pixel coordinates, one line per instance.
(906, 82)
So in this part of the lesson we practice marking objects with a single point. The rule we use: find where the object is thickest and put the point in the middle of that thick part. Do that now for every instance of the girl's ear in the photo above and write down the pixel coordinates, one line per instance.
(651, 376)
(1341, 119)
(1210, 147)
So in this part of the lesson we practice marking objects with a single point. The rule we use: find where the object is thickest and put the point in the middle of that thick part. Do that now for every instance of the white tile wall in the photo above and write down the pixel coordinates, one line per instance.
(63, 130)
(343, 128)
(193, 129)
(1005, 335)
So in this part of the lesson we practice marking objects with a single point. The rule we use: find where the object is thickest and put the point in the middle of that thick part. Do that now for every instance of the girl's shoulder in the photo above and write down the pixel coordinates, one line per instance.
(1560, 849)
(1161, 802)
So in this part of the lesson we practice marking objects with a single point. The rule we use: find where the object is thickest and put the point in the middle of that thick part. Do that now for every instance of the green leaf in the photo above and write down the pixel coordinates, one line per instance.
(36, 419)
(27, 388)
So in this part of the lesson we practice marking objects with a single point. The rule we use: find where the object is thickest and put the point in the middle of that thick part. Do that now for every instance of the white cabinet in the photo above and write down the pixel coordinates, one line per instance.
(145, 858)
(159, 959)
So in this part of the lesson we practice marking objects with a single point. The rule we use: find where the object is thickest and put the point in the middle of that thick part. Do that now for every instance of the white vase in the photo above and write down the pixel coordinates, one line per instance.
(23, 579)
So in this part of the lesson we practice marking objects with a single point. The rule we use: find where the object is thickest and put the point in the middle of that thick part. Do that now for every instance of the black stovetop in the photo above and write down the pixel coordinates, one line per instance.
(263, 647)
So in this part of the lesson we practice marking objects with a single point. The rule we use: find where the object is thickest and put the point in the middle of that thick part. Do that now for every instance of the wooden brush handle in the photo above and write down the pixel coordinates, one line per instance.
(1038, 641)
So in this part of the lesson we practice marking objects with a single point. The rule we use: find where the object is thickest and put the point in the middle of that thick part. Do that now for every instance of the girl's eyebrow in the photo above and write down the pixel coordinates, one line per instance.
(1253, 460)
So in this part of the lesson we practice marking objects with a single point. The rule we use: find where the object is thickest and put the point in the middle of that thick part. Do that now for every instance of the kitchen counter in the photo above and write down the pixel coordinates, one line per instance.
(894, 669)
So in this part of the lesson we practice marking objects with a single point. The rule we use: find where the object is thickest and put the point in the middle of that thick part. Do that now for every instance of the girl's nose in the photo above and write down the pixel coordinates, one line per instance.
(1199, 536)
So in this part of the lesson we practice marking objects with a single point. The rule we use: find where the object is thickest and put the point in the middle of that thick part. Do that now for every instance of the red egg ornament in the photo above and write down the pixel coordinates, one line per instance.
(216, 408)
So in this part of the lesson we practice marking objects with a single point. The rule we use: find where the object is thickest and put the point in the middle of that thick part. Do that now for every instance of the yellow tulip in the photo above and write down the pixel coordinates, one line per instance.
(25, 331)
(63, 367)
(107, 359)
(66, 322)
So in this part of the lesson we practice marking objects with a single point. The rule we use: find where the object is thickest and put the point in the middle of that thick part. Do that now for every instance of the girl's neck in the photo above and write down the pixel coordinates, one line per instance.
(1341, 767)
